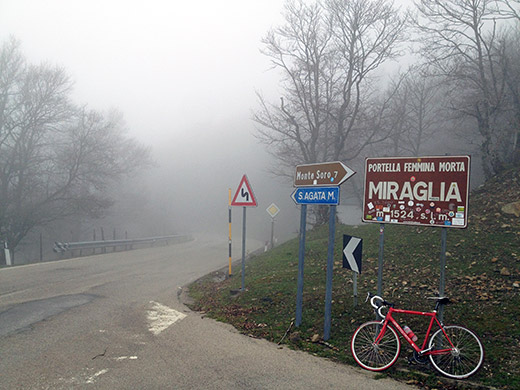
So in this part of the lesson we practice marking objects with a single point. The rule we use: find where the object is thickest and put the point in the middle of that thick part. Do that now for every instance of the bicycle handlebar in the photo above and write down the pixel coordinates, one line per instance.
(378, 306)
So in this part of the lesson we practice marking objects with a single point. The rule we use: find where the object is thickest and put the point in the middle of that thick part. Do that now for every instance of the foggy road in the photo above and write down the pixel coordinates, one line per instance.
(114, 321)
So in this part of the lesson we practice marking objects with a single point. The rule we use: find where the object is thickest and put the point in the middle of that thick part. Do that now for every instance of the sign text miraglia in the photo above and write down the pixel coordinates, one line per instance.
(420, 191)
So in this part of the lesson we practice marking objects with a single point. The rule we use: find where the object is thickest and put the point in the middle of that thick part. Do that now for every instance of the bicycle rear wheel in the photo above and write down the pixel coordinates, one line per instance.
(372, 356)
(463, 359)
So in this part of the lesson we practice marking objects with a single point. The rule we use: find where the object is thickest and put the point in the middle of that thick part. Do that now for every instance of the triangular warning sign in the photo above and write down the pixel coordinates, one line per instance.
(244, 195)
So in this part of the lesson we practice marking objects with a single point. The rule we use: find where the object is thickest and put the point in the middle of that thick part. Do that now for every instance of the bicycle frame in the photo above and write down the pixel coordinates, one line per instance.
(433, 318)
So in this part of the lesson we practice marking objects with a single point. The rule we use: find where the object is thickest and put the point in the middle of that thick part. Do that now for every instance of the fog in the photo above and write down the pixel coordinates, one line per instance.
(184, 75)
(198, 170)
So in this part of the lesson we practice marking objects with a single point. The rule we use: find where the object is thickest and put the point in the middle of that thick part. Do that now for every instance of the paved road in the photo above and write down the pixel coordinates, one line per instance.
(114, 321)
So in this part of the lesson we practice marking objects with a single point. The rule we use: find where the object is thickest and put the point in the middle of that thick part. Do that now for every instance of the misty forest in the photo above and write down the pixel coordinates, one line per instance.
(356, 79)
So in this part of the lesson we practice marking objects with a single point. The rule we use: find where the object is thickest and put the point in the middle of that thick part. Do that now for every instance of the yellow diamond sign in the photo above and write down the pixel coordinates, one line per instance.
(272, 210)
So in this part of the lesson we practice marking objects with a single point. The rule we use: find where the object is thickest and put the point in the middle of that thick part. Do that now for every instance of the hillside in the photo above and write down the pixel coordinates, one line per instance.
(482, 278)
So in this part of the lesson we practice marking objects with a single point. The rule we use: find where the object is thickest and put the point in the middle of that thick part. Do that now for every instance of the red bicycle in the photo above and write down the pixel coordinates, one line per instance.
(453, 350)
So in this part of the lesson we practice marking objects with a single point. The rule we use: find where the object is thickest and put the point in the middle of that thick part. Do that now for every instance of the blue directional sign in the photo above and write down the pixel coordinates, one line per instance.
(316, 195)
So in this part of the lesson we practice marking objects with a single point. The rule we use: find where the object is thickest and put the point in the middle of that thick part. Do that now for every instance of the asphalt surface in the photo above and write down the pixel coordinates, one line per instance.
(114, 321)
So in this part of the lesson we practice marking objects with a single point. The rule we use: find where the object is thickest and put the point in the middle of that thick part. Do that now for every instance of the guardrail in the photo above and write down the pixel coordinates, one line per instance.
(61, 247)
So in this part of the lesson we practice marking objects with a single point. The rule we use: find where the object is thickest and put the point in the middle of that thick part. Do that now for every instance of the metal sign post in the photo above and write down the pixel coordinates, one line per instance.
(322, 196)
(380, 263)
(229, 212)
(330, 265)
(420, 191)
(301, 261)
(243, 249)
(318, 184)
(352, 253)
(244, 197)
(442, 279)
(354, 288)
(272, 233)
(272, 210)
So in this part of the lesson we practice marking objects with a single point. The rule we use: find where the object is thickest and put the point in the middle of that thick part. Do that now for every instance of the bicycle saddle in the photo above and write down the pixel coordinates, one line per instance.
(441, 300)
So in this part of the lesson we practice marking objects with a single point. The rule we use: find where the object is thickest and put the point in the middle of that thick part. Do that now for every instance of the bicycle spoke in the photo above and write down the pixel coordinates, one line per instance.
(462, 359)
(371, 355)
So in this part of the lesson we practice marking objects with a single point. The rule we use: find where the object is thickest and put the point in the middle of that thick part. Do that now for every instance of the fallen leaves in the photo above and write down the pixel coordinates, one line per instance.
(505, 272)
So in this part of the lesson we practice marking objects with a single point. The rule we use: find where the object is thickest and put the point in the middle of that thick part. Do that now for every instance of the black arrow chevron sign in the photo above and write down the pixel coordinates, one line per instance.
(352, 251)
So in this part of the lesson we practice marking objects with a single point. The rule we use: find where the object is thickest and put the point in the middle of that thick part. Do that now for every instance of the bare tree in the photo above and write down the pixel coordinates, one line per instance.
(510, 8)
(296, 129)
(55, 159)
(459, 40)
(326, 53)
(414, 115)
(366, 34)
(508, 119)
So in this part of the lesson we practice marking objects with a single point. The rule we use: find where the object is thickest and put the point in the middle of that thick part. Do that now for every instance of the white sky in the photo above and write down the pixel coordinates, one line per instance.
(165, 64)
(184, 75)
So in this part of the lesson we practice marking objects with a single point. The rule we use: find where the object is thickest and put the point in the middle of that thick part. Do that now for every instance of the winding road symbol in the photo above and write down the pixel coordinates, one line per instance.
(244, 195)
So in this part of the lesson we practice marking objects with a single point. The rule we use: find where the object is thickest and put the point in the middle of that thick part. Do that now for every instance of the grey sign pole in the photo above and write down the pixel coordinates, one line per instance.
(301, 261)
(442, 282)
(380, 268)
(272, 233)
(318, 184)
(243, 248)
(354, 280)
(352, 256)
(330, 265)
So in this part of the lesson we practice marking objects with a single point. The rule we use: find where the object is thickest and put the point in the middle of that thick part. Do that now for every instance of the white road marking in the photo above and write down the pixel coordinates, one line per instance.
(160, 317)
(126, 358)
(93, 378)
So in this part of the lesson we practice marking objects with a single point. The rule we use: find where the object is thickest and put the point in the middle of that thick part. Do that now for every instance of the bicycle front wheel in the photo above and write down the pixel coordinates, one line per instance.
(371, 355)
(459, 359)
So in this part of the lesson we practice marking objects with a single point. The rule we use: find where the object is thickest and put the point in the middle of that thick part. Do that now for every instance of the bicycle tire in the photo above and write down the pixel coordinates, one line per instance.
(463, 361)
(371, 356)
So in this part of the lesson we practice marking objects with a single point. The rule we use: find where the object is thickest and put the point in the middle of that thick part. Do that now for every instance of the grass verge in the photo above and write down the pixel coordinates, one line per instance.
(482, 278)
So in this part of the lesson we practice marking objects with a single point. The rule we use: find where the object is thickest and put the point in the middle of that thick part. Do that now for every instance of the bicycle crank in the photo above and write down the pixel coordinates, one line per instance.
(417, 358)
